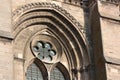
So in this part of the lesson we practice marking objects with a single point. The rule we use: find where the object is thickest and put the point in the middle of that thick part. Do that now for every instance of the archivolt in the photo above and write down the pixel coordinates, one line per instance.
(59, 22)
(51, 6)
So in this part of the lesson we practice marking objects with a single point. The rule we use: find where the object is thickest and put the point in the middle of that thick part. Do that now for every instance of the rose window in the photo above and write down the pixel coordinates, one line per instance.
(44, 51)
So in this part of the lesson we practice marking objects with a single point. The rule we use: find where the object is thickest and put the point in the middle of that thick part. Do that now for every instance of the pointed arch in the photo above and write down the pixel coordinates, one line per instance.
(60, 70)
(35, 17)
(36, 70)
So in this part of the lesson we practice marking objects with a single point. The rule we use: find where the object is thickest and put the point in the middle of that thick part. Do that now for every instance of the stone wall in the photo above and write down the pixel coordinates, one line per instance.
(6, 60)
(110, 26)
(75, 11)
(5, 17)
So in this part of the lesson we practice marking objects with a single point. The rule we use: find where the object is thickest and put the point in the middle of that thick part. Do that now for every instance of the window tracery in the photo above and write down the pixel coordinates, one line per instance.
(47, 53)
(44, 51)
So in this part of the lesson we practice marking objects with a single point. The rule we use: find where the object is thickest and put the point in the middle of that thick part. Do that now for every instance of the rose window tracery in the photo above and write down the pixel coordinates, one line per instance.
(44, 51)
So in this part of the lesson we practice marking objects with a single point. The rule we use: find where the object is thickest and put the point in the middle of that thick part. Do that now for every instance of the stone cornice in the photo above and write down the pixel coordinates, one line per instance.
(6, 35)
(111, 60)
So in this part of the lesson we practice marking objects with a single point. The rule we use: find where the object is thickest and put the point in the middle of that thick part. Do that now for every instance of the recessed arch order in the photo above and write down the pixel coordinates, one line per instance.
(59, 23)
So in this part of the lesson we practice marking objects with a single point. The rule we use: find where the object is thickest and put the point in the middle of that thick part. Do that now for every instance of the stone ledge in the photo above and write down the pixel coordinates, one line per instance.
(19, 59)
(109, 2)
(111, 60)
(6, 35)
(111, 17)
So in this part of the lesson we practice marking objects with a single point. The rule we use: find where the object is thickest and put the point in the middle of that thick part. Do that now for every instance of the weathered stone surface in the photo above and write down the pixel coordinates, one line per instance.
(110, 34)
(5, 15)
(6, 60)
(111, 38)
(109, 10)
(110, 26)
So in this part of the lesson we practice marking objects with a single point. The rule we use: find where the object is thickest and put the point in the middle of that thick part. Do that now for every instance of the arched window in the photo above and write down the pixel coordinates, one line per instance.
(34, 73)
(47, 55)
(56, 74)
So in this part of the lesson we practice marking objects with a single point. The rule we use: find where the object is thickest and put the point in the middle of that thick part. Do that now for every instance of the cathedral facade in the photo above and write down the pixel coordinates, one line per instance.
(59, 40)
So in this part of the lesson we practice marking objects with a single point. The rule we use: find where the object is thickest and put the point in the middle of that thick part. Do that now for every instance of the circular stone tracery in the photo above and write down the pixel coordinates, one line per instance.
(44, 51)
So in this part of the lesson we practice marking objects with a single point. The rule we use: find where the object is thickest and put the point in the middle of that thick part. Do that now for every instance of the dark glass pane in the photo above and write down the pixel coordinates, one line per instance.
(52, 52)
(40, 44)
(56, 74)
(46, 53)
(49, 58)
(34, 73)
(48, 45)
(41, 56)
(36, 49)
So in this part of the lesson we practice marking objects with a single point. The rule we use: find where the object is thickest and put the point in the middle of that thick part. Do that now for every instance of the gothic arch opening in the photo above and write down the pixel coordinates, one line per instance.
(36, 71)
(59, 72)
(40, 24)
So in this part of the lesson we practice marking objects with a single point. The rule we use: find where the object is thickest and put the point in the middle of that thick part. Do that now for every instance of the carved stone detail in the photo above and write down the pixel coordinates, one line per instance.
(47, 5)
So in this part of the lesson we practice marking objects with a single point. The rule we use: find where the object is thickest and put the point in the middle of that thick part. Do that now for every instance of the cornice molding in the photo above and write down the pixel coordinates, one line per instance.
(6, 35)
